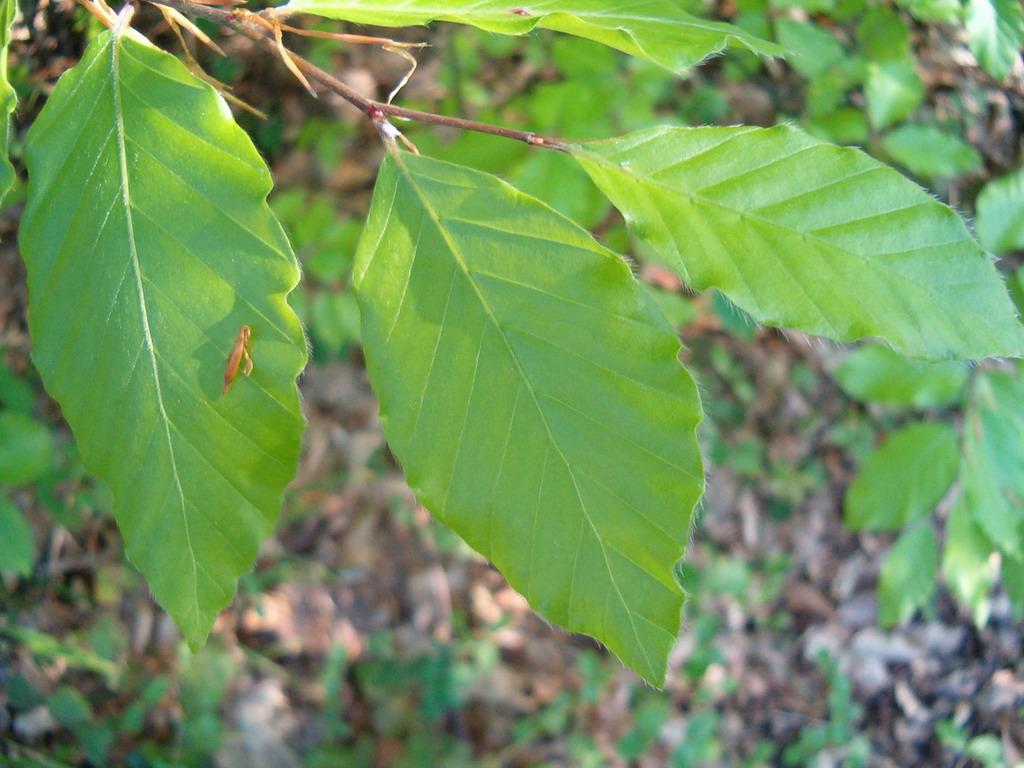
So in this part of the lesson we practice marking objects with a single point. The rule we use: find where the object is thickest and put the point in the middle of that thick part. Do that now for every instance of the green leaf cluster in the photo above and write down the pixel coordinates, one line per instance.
(27, 455)
(529, 385)
(893, 89)
(995, 33)
(325, 243)
(876, 374)
(870, 47)
(905, 478)
(1001, 213)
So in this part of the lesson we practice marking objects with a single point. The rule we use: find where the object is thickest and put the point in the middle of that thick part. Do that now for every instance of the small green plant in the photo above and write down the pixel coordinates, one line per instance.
(839, 735)
(977, 470)
(27, 454)
(529, 385)
(985, 749)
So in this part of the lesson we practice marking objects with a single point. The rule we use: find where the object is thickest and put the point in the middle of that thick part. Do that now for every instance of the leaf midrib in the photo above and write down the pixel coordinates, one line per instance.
(133, 253)
(485, 305)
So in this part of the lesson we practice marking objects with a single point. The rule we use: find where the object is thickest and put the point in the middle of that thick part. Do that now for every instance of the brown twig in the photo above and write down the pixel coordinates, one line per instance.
(100, 11)
(173, 19)
(258, 33)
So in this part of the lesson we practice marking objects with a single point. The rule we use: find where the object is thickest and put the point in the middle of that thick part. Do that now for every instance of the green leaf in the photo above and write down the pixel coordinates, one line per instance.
(995, 34)
(655, 30)
(931, 153)
(15, 392)
(847, 10)
(903, 479)
(907, 579)
(17, 545)
(335, 320)
(1001, 213)
(943, 11)
(26, 449)
(1016, 286)
(8, 12)
(323, 238)
(69, 707)
(149, 244)
(847, 125)
(993, 463)
(827, 91)
(532, 391)
(967, 563)
(893, 91)
(986, 750)
(66, 653)
(812, 6)
(812, 49)
(884, 36)
(562, 184)
(8, 99)
(876, 374)
(677, 308)
(1013, 583)
(804, 234)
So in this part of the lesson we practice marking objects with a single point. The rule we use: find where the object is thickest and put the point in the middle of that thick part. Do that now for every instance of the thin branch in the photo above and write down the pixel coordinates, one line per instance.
(374, 110)
(408, 75)
(173, 19)
(289, 59)
(102, 12)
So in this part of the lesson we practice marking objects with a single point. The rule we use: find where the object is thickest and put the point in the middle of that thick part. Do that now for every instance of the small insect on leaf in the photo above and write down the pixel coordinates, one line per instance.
(240, 351)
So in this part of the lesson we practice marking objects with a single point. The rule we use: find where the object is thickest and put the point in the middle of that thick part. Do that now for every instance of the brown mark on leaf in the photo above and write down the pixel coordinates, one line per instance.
(521, 12)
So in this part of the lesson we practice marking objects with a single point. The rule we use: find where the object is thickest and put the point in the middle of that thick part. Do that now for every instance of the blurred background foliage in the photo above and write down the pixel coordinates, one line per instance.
(846, 608)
